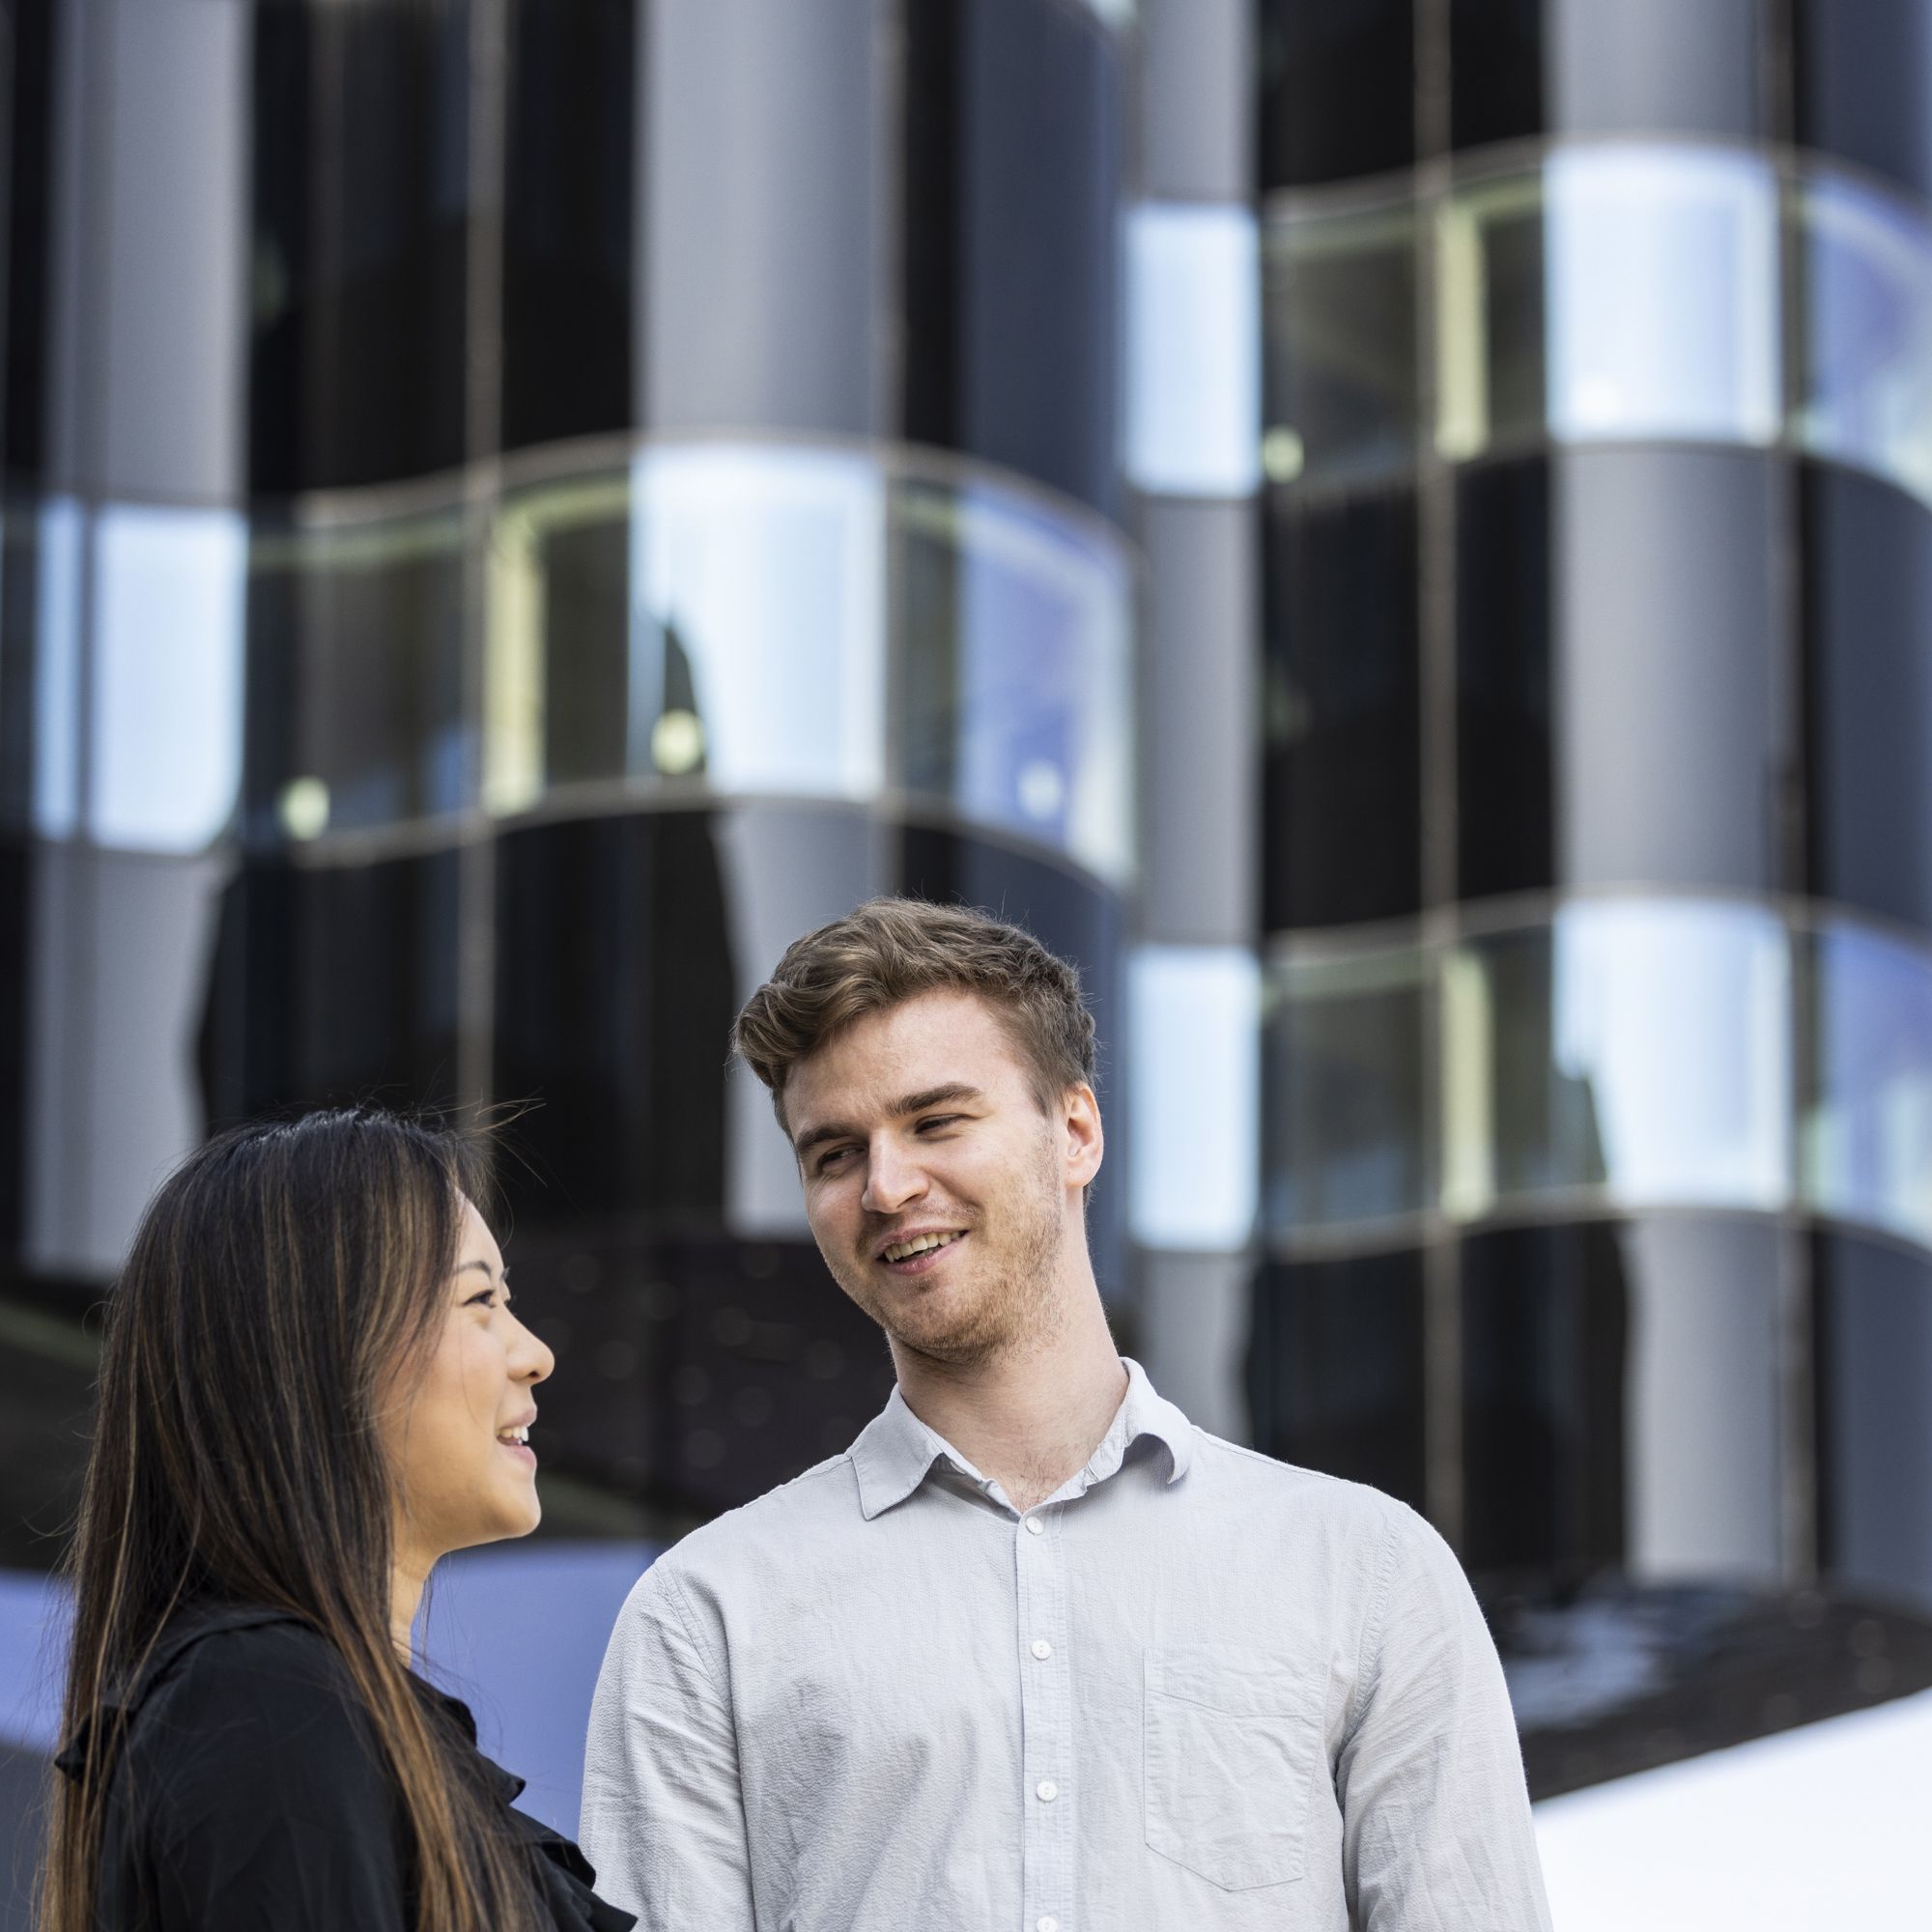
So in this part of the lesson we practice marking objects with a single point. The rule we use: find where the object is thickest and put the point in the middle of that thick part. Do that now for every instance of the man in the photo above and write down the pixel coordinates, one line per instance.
(1035, 1653)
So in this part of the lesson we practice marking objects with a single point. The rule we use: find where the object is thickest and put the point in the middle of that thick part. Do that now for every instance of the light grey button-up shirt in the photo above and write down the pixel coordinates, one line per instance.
(1195, 1691)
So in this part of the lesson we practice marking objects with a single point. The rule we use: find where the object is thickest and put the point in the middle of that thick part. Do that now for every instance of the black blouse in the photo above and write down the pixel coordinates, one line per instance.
(250, 1794)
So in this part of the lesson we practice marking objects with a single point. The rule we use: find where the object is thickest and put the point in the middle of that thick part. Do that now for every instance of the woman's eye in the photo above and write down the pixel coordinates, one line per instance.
(484, 1300)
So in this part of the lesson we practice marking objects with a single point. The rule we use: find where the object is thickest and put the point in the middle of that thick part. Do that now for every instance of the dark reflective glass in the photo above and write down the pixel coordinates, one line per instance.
(1496, 87)
(1867, 611)
(1546, 1349)
(1011, 177)
(26, 232)
(1334, 1367)
(1632, 709)
(48, 1367)
(331, 984)
(569, 219)
(354, 701)
(615, 991)
(695, 1371)
(15, 879)
(1873, 1312)
(1342, 759)
(1861, 87)
(1575, 67)
(1338, 90)
(1621, 1390)
(1505, 737)
(361, 191)
(1078, 921)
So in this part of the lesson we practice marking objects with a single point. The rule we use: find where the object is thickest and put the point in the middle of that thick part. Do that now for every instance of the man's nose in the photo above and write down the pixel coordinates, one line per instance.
(891, 1179)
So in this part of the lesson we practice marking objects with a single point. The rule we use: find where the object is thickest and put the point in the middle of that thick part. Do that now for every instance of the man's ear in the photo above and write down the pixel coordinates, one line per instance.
(1083, 1140)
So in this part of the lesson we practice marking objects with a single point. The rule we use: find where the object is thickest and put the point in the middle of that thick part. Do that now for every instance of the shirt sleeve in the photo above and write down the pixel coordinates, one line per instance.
(664, 1812)
(1436, 1819)
(268, 1807)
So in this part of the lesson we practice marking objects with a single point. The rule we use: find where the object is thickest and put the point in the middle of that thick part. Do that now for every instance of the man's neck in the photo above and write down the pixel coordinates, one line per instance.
(1030, 1416)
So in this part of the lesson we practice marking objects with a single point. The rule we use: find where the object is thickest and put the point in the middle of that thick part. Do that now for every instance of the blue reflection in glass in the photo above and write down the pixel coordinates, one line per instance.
(57, 670)
(1017, 690)
(1867, 1132)
(1195, 1094)
(1673, 1020)
(165, 704)
(1193, 348)
(1662, 288)
(1867, 266)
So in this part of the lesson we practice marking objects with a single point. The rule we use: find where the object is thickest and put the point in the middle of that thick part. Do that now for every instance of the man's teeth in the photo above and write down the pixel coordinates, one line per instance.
(901, 1251)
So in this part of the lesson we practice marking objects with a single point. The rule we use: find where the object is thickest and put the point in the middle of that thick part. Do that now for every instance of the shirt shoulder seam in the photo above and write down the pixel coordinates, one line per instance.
(1376, 1623)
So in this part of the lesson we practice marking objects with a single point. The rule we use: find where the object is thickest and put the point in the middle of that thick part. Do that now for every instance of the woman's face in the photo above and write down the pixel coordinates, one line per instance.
(466, 1474)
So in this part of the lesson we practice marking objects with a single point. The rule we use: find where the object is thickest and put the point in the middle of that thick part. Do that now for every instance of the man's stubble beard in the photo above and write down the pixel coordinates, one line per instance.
(1017, 1309)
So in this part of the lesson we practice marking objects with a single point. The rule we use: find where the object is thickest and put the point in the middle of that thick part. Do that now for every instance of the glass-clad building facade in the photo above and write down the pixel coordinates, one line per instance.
(1396, 533)
(1594, 885)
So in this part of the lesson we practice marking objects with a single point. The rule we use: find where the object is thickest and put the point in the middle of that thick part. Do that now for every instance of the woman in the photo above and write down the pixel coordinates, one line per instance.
(312, 1387)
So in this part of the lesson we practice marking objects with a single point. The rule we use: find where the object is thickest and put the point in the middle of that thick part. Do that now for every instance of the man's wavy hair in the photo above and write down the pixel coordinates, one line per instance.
(892, 950)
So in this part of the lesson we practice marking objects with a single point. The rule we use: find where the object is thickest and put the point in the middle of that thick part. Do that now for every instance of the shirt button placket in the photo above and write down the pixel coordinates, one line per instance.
(1046, 1726)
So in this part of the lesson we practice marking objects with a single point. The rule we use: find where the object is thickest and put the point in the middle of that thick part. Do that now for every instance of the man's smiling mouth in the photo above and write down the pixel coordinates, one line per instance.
(920, 1245)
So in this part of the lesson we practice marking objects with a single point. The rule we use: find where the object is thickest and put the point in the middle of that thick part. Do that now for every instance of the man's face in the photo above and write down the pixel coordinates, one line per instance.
(942, 1197)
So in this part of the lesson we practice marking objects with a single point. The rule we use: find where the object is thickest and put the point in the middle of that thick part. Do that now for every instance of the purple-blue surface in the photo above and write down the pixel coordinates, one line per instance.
(517, 1631)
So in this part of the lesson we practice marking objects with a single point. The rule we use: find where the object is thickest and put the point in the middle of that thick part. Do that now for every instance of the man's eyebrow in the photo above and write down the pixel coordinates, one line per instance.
(910, 1103)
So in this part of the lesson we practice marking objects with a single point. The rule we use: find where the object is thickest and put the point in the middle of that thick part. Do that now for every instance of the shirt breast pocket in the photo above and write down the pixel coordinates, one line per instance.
(1231, 1741)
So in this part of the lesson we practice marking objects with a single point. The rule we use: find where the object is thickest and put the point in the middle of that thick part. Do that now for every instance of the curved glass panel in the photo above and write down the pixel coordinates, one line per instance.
(1339, 354)
(719, 616)
(1659, 301)
(1860, 88)
(1637, 1049)
(1866, 261)
(1345, 1044)
(1338, 89)
(1866, 1124)
(355, 677)
(1017, 676)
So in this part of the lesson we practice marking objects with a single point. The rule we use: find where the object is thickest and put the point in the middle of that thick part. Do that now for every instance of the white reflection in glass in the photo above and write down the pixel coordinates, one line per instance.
(1195, 1093)
(1661, 288)
(1343, 1109)
(758, 609)
(57, 670)
(1018, 683)
(1671, 1023)
(1867, 1141)
(1867, 268)
(166, 700)
(1193, 348)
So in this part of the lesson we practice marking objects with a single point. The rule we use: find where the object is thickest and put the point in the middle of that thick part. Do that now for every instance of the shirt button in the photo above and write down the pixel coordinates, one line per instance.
(1046, 1791)
(1047, 1924)
(1041, 1649)
(1035, 1527)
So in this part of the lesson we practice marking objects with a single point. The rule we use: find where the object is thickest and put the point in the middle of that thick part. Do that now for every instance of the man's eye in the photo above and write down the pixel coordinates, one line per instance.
(939, 1121)
(827, 1160)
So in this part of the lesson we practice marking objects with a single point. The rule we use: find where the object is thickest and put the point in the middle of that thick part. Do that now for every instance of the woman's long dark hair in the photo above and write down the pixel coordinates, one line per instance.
(284, 1280)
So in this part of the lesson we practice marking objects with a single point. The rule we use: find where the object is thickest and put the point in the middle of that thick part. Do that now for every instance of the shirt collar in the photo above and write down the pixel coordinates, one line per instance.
(896, 1451)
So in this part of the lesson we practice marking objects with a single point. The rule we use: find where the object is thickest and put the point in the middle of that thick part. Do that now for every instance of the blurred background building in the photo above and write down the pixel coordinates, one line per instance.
(1397, 533)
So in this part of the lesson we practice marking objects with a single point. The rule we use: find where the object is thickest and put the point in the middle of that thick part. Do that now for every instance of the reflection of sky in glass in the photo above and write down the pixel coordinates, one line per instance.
(1196, 1096)
(1193, 348)
(166, 695)
(1044, 680)
(1661, 288)
(1868, 1122)
(767, 569)
(57, 670)
(1675, 1018)
(1869, 332)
